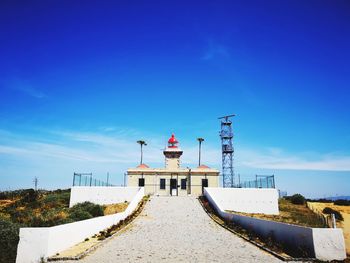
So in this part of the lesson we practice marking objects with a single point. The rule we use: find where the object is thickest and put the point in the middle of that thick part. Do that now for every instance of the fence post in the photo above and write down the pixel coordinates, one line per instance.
(333, 221)
(73, 179)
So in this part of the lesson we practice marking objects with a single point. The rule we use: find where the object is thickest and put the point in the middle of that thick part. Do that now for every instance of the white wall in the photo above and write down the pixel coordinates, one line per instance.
(101, 195)
(329, 243)
(246, 200)
(321, 243)
(47, 241)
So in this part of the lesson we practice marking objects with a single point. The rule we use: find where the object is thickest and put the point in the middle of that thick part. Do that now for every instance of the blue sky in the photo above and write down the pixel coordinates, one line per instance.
(81, 82)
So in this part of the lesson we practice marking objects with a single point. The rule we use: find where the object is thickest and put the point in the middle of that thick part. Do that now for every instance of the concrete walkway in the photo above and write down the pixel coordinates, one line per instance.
(176, 229)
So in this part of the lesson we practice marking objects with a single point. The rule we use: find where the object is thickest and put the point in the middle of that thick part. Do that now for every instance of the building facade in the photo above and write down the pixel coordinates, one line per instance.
(173, 180)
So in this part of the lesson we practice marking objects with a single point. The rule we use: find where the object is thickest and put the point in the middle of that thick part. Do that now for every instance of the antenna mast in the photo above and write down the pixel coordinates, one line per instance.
(35, 181)
(226, 135)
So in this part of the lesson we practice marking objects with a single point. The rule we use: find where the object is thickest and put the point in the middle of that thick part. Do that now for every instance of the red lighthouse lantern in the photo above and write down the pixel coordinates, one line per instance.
(172, 142)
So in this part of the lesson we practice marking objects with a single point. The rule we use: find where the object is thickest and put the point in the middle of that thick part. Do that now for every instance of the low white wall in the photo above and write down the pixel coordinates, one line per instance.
(246, 200)
(101, 195)
(33, 244)
(47, 241)
(329, 244)
(321, 243)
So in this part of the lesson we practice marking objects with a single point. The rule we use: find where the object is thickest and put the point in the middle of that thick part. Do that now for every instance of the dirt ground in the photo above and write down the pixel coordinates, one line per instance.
(345, 225)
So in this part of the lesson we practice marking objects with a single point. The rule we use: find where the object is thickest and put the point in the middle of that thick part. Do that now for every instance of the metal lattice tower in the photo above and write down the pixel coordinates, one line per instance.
(226, 136)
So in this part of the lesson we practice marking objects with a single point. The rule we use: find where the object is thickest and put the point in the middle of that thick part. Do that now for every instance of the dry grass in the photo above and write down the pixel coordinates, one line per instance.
(6, 202)
(115, 208)
(292, 214)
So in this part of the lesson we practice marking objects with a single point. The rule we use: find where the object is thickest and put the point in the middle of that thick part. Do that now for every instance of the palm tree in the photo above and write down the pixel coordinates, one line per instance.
(200, 140)
(142, 143)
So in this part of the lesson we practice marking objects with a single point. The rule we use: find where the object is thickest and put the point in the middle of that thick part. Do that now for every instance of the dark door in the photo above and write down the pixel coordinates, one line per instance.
(141, 182)
(173, 187)
(204, 184)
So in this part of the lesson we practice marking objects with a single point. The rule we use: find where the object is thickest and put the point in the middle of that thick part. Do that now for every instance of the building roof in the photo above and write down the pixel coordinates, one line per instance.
(142, 166)
(203, 166)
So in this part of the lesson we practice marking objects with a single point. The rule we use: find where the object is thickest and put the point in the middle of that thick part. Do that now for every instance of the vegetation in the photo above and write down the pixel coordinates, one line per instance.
(297, 199)
(337, 214)
(342, 202)
(8, 240)
(321, 200)
(29, 208)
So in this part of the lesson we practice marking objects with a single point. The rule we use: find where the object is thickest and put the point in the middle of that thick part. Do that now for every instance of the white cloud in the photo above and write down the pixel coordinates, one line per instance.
(120, 150)
(278, 159)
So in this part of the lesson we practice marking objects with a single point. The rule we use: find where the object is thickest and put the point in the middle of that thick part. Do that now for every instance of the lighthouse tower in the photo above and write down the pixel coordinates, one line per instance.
(172, 154)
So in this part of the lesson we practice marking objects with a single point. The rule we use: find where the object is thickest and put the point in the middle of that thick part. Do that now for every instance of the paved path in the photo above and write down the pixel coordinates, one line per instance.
(176, 229)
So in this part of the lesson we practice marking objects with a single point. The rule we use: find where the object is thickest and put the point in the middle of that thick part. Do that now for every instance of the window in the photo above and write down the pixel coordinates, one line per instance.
(183, 184)
(162, 183)
(141, 182)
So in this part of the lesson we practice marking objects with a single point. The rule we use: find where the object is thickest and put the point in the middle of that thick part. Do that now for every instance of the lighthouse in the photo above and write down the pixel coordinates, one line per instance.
(172, 179)
(172, 154)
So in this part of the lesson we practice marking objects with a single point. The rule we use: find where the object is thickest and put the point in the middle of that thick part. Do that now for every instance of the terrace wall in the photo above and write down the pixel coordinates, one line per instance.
(42, 242)
(322, 243)
(102, 195)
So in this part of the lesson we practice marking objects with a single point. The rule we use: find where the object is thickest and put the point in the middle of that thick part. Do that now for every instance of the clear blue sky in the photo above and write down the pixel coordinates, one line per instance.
(81, 81)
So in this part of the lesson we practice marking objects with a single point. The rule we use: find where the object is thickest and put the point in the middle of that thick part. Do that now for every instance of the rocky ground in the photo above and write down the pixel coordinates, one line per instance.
(176, 229)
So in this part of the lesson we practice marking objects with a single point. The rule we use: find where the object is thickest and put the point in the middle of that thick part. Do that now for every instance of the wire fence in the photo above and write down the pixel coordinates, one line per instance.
(261, 181)
(328, 220)
(86, 179)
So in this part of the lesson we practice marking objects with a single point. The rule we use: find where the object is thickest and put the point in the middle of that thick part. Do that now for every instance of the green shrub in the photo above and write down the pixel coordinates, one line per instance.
(79, 214)
(30, 195)
(57, 199)
(337, 214)
(342, 202)
(9, 237)
(93, 209)
(3, 196)
(298, 199)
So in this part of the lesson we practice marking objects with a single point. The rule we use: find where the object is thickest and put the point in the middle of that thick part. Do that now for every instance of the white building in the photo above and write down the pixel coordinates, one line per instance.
(173, 179)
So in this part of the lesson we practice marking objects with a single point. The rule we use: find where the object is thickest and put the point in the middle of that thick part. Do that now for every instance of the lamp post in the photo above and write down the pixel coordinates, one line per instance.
(141, 144)
(200, 140)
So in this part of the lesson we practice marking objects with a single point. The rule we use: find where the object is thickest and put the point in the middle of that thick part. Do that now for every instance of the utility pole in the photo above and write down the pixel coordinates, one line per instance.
(35, 181)
(141, 142)
(226, 136)
(200, 140)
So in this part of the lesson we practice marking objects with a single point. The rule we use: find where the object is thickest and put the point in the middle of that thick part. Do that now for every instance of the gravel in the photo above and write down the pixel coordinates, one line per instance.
(176, 229)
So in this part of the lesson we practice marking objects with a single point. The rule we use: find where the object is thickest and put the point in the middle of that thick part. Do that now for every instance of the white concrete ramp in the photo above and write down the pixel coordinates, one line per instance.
(176, 229)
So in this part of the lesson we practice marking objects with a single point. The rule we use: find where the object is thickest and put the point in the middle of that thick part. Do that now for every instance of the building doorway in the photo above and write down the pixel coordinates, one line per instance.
(204, 184)
(173, 186)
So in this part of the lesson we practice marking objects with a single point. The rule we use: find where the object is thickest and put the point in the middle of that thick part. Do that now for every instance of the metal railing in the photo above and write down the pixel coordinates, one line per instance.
(261, 181)
(86, 179)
